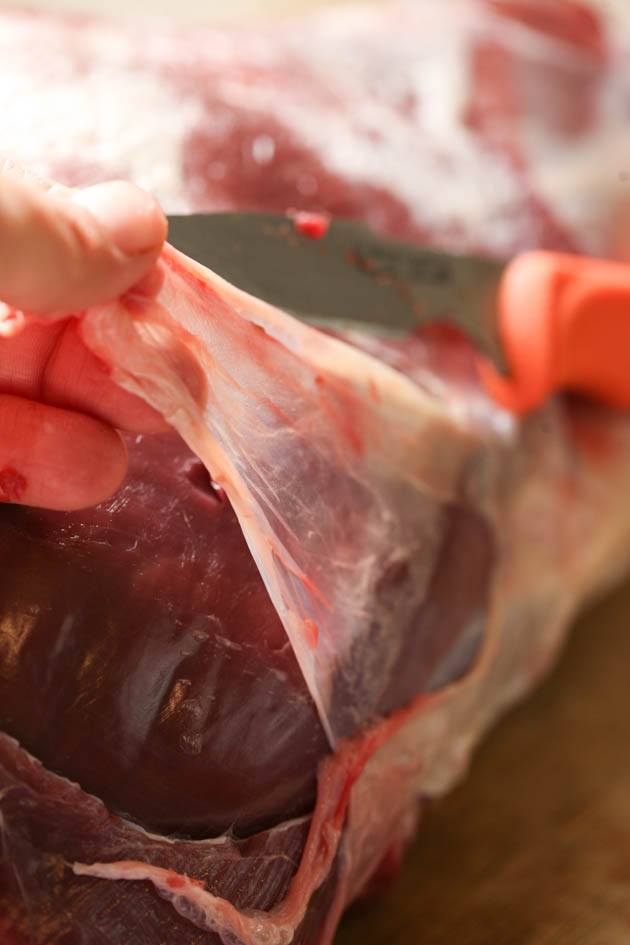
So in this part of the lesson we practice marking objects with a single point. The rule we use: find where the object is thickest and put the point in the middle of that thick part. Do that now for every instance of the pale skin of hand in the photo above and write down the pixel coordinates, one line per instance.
(62, 251)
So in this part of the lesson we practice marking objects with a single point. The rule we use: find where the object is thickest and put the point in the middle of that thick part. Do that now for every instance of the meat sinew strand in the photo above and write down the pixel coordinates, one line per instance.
(225, 694)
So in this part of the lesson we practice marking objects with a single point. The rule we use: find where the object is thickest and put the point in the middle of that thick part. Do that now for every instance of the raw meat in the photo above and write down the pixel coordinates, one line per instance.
(237, 685)
(90, 586)
(498, 124)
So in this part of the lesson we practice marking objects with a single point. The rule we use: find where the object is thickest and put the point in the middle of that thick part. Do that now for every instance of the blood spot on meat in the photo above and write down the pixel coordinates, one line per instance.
(374, 392)
(312, 632)
(312, 588)
(12, 484)
(176, 882)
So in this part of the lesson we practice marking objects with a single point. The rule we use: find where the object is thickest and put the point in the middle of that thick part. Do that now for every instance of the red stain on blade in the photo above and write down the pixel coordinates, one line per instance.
(442, 333)
(12, 484)
(312, 225)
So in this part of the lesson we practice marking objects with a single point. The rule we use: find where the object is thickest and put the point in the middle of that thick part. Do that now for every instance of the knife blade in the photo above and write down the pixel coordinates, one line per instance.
(350, 277)
(541, 322)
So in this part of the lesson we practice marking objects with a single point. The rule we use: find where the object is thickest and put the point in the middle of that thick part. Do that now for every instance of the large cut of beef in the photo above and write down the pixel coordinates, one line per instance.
(226, 692)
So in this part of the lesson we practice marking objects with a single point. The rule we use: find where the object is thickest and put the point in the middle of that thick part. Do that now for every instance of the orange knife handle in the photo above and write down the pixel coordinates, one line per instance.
(564, 322)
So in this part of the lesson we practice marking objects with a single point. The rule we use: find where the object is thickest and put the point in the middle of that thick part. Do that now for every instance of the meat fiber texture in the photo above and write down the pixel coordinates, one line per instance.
(226, 692)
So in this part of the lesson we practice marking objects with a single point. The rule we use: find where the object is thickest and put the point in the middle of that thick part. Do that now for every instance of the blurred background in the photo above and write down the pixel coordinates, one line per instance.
(198, 10)
(214, 10)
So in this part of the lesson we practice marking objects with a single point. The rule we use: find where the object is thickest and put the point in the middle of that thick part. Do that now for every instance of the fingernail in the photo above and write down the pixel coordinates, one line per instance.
(132, 218)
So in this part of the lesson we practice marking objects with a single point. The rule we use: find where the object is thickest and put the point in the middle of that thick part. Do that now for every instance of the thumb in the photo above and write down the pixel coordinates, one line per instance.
(62, 250)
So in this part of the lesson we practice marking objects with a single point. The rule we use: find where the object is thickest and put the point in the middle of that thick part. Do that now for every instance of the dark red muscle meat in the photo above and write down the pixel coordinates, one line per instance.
(156, 655)
(225, 695)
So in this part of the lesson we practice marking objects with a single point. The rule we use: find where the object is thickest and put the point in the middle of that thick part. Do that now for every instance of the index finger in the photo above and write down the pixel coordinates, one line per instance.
(51, 364)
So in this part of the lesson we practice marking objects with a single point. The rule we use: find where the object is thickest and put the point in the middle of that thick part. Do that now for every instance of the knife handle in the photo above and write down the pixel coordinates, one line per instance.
(564, 322)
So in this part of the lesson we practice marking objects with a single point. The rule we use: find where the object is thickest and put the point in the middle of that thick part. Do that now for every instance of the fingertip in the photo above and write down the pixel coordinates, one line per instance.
(97, 466)
(131, 217)
(85, 248)
(76, 379)
(57, 459)
(90, 465)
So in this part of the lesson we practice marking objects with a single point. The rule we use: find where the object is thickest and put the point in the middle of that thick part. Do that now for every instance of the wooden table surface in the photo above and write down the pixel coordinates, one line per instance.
(534, 847)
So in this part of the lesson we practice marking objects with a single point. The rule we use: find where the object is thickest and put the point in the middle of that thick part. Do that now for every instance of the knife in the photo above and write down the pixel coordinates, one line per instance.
(541, 322)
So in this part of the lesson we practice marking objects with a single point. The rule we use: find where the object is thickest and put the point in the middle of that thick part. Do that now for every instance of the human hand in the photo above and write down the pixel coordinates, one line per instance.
(62, 251)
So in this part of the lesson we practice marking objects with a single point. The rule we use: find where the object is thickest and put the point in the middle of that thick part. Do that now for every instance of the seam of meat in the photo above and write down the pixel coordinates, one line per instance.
(29, 784)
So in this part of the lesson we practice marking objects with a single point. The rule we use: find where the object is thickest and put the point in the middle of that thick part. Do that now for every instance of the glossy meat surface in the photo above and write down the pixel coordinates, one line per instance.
(156, 655)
